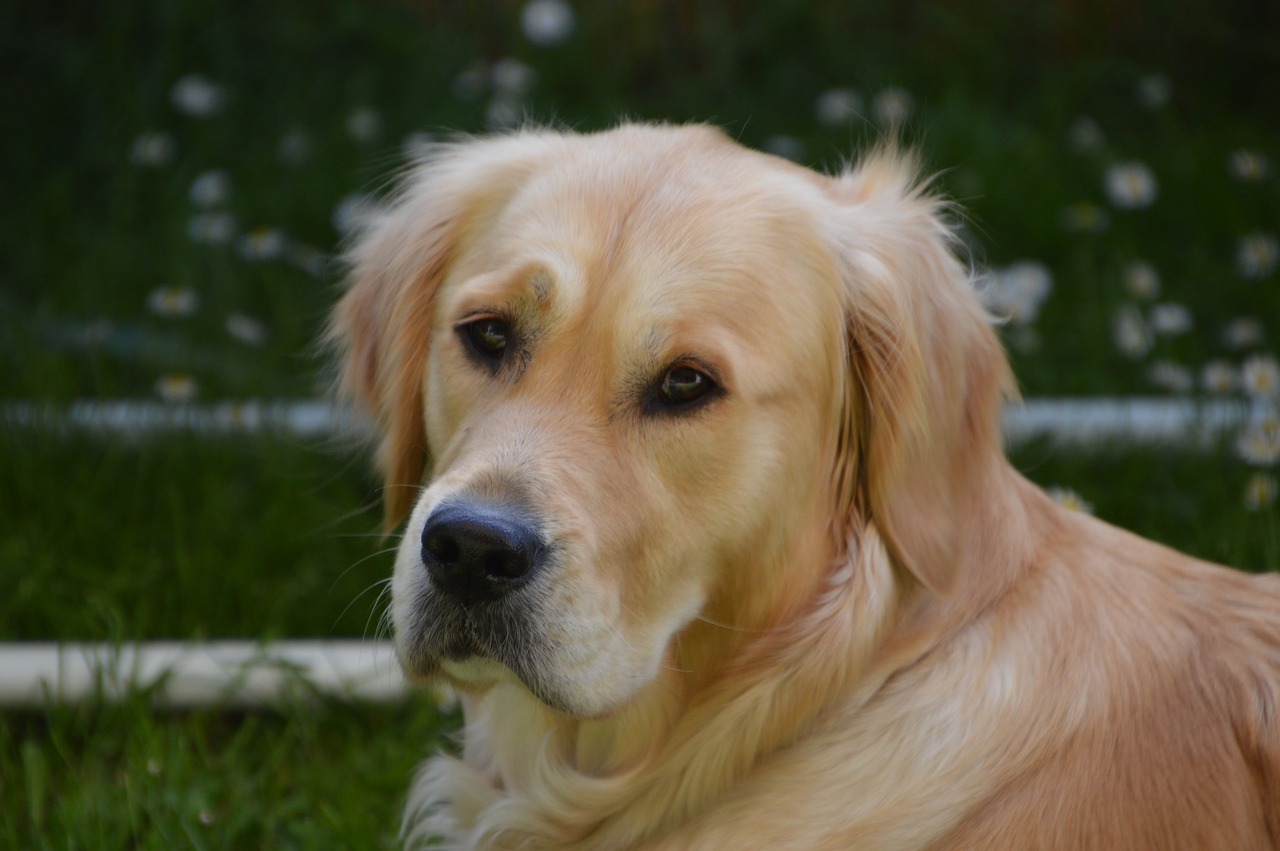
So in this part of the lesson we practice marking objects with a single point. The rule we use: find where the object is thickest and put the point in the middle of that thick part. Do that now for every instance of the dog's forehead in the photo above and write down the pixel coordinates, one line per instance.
(707, 229)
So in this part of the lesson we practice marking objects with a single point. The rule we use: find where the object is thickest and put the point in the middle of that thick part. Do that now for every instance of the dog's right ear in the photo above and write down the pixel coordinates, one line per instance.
(921, 451)
(381, 328)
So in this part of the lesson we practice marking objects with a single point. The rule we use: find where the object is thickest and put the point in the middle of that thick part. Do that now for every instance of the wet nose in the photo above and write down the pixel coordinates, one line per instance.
(477, 551)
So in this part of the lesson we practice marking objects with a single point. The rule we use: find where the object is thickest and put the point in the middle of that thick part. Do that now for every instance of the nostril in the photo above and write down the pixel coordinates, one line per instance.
(442, 547)
(505, 565)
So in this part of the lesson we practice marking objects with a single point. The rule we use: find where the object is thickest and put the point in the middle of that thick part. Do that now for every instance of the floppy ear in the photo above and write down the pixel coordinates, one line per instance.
(381, 328)
(926, 375)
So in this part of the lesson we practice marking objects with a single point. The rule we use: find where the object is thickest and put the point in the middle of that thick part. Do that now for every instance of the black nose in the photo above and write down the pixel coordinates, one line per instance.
(477, 551)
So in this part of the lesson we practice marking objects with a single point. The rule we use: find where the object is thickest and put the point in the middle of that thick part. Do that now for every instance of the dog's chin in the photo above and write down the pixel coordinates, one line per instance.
(477, 674)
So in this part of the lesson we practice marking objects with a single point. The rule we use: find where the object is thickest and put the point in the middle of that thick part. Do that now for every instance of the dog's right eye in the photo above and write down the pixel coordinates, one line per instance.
(487, 339)
(681, 390)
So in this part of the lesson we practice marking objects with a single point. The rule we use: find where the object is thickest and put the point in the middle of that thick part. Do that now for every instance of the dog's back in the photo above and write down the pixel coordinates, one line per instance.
(1167, 732)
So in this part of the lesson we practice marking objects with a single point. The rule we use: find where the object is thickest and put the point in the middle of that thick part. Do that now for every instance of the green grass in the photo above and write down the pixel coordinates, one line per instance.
(1188, 500)
(123, 776)
(183, 537)
(178, 537)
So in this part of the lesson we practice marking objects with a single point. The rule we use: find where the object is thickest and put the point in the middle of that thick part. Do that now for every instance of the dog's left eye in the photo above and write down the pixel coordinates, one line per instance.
(487, 339)
(682, 388)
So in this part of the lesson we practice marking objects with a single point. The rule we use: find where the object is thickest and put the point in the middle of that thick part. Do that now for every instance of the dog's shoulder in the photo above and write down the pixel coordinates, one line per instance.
(1166, 671)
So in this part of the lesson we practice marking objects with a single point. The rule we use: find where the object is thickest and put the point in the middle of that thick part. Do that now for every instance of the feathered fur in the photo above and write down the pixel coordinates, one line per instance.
(823, 611)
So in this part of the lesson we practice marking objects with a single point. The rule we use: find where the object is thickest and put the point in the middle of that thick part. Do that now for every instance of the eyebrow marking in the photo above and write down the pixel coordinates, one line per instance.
(654, 345)
(541, 282)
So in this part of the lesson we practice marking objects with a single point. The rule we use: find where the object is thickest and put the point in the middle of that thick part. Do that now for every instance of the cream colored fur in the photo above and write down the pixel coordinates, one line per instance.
(823, 611)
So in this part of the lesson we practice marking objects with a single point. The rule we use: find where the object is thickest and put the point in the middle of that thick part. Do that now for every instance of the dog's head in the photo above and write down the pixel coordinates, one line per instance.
(631, 381)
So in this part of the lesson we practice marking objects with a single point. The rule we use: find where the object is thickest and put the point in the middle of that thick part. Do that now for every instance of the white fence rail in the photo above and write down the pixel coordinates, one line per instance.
(177, 675)
(1092, 421)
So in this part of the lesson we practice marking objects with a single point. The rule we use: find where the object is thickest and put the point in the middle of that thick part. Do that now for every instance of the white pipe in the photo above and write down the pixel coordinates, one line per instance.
(307, 418)
(1094, 422)
(1087, 421)
(238, 674)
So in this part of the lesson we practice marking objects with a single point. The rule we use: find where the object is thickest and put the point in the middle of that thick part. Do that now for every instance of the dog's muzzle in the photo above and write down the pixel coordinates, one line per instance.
(476, 552)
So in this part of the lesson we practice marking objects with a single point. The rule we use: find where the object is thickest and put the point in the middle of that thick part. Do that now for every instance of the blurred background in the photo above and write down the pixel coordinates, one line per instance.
(179, 177)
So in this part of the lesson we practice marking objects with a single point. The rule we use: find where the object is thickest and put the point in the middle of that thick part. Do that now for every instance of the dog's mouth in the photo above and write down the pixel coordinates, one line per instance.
(441, 629)
(477, 644)
(498, 634)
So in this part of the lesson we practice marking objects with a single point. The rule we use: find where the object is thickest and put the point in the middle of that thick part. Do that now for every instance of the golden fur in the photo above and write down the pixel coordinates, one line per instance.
(819, 611)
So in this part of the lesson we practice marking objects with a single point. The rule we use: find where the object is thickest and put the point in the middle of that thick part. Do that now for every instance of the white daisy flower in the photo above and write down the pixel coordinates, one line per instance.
(503, 114)
(1131, 186)
(94, 332)
(1154, 91)
(1016, 292)
(1170, 376)
(1084, 217)
(1130, 333)
(417, 144)
(173, 302)
(309, 259)
(787, 147)
(177, 387)
(1248, 166)
(210, 189)
(1142, 280)
(1260, 491)
(471, 84)
(1084, 136)
(1024, 338)
(353, 213)
(837, 107)
(547, 23)
(264, 244)
(512, 78)
(1259, 443)
(1069, 499)
(1170, 319)
(1242, 332)
(1218, 377)
(246, 329)
(364, 125)
(1256, 255)
(195, 96)
(893, 106)
(1260, 377)
(966, 183)
(153, 149)
(295, 148)
(212, 228)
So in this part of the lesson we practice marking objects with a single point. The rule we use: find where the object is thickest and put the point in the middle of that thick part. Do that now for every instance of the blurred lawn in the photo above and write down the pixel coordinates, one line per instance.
(105, 293)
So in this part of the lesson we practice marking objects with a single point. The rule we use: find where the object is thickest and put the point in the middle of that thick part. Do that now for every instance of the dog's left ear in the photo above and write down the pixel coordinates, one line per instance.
(381, 329)
(926, 374)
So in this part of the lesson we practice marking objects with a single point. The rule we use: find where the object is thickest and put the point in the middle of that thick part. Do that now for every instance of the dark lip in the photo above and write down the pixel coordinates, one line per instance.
(460, 647)
(510, 638)
(502, 630)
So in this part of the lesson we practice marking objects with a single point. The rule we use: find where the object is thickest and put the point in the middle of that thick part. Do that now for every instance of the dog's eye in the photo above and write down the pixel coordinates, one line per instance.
(487, 338)
(683, 387)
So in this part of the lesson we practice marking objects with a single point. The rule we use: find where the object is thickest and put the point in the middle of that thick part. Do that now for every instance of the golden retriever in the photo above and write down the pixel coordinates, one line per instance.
(710, 524)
